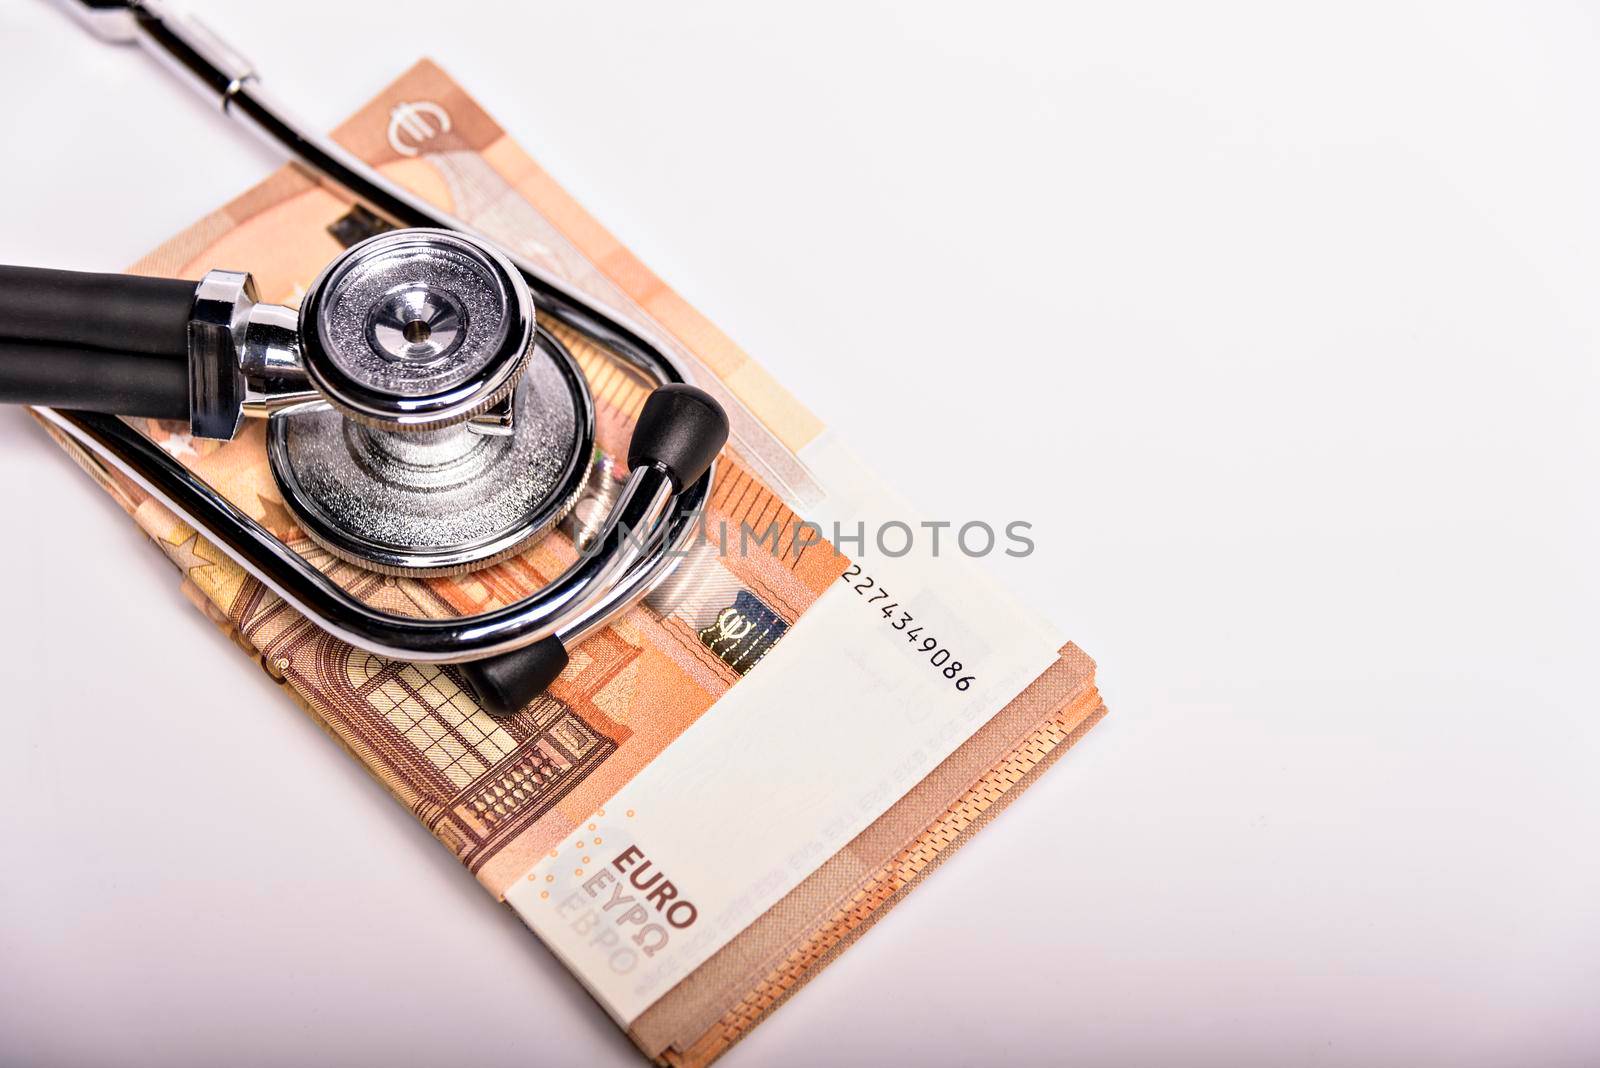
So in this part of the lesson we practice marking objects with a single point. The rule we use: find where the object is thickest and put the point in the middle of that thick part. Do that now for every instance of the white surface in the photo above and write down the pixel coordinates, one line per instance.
(1308, 300)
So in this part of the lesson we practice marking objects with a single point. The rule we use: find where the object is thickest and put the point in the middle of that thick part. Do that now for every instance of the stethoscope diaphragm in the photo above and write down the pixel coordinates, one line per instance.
(413, 330)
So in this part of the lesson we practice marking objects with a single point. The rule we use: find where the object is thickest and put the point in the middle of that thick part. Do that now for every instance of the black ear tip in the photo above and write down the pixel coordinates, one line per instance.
(505, 684)
(682, 428)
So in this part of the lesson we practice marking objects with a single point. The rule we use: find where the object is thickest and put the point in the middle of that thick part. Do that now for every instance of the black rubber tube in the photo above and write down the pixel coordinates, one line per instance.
(121, 312)
(93, 380)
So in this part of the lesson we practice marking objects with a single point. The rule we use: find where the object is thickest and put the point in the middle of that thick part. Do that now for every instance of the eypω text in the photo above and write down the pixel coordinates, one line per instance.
(627, 909)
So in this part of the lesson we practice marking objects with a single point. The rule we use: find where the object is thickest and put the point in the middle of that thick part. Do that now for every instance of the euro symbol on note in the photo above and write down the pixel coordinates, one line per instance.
(410, 125)
(733, 627)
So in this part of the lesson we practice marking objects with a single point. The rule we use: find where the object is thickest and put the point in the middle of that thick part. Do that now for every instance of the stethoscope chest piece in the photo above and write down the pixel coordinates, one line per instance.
(455, 432)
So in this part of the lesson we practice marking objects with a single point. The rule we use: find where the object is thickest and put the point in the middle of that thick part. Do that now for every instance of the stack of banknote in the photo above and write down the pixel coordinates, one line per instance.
(735, 778)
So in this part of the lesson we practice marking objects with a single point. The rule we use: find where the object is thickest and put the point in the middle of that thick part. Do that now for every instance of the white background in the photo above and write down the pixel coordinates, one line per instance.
(1280, 325)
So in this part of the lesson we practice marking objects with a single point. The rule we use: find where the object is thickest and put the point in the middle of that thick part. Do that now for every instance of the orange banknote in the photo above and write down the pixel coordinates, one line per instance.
(512, 797)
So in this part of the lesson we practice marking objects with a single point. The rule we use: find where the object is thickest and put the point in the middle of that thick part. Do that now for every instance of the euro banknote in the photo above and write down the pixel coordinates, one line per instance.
(732, 780)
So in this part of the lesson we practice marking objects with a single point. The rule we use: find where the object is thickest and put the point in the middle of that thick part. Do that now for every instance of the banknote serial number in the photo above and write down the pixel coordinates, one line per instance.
(925, 645)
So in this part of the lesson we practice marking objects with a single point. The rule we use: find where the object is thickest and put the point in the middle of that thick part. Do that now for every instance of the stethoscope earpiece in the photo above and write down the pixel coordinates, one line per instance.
(680, 430)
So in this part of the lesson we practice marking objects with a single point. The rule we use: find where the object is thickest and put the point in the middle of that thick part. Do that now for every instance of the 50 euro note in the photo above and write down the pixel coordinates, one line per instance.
(733, 779)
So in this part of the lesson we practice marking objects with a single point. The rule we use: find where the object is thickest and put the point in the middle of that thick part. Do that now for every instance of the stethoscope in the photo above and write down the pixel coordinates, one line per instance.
(420, 418)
